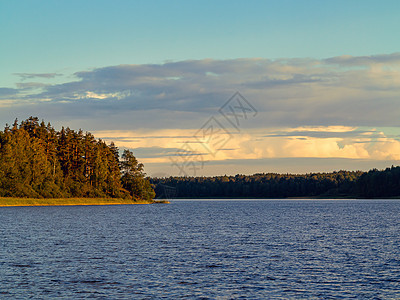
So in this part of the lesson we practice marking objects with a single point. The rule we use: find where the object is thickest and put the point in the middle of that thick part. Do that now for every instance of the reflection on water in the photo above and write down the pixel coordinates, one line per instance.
(193, 249)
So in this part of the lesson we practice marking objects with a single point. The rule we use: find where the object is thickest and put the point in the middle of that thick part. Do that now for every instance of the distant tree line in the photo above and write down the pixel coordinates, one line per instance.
(379, 184)
(358, 184)
(38, 161)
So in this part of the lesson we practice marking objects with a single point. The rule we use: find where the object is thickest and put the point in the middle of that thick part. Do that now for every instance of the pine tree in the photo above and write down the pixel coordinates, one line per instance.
(133, 177)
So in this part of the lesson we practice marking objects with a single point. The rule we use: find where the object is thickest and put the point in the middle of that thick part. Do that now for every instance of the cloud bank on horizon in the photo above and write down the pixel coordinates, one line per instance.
(344, 107)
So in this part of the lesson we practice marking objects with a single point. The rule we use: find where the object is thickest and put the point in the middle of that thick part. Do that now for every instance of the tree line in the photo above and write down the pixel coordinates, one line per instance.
(346, 184)
(37, 161)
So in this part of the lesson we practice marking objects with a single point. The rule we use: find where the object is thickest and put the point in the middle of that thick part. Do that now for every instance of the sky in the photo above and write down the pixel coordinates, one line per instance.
(210, 88)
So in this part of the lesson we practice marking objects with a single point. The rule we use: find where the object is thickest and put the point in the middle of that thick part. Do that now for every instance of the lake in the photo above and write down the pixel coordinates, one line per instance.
(249, 249)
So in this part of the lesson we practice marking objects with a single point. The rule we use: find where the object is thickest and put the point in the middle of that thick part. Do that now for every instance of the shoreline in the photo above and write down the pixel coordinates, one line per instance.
(15, 202)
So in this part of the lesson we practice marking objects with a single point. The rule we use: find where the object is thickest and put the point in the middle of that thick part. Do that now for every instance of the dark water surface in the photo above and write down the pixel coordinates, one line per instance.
(261, 249)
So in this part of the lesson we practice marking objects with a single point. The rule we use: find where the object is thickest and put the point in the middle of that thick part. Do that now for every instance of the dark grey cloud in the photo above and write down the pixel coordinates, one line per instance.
(25, 76)
(348, 60)
(327, 134)
(154, 152)
(286, 92)
(8, 92)
(294, 79)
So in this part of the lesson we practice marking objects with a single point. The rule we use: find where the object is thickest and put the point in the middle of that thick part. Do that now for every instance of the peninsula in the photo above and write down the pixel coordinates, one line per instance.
(42, 166)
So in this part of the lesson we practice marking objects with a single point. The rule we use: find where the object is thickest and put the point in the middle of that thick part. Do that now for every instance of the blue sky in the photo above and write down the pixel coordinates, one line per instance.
(47, 36)
(307, 66)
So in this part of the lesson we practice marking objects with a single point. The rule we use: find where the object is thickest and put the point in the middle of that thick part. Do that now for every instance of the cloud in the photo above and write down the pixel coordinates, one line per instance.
(330, 142)
(184, 94)
(25, 76)
(152, 152)
(348, 60)
(345, 108)
(341, 132)
(8, 92)
(30, 85)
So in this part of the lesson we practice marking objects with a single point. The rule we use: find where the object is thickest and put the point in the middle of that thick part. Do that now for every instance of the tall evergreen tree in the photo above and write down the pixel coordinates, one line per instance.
(133, 177)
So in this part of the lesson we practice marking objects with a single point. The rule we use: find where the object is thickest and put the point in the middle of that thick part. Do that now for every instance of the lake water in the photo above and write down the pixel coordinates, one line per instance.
(258, 249)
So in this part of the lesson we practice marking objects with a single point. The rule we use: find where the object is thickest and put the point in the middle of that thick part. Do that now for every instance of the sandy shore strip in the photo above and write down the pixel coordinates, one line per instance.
(6, 202)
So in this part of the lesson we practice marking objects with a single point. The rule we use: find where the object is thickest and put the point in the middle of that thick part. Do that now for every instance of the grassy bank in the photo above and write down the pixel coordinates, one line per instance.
(9, 201)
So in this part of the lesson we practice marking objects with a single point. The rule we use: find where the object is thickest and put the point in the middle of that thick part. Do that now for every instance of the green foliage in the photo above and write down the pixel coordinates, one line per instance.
(133, 177)
(36, 161)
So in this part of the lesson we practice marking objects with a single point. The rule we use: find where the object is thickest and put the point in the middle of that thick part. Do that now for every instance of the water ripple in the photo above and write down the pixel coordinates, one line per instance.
(203, 250)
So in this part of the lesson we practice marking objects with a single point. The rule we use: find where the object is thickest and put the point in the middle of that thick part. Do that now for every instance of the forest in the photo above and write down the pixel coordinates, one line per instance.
(340, 184)
(36, 161)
